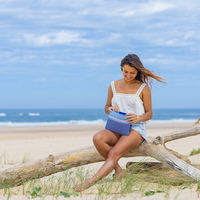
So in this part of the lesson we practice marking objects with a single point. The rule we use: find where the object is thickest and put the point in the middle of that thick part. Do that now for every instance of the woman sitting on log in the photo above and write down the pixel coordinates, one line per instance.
(130, 95)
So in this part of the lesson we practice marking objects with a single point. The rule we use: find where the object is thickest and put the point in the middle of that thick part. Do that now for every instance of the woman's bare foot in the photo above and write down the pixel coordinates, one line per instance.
(119, 175)
(85, 185)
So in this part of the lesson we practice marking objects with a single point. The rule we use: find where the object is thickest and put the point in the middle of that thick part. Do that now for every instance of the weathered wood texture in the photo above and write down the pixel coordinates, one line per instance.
(155, 147)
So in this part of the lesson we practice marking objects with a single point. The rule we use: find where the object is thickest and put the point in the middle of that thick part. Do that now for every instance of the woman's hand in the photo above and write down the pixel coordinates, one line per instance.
(115, 108)
(132, 118)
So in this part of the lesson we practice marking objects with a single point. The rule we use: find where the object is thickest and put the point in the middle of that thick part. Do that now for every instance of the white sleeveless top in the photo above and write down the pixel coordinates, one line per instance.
(128, 103)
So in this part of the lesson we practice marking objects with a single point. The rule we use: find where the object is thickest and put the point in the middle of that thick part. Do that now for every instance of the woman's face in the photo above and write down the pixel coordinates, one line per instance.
(129, 72)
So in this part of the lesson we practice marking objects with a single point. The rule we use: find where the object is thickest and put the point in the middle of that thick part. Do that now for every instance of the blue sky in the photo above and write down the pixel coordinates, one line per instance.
(65, 53)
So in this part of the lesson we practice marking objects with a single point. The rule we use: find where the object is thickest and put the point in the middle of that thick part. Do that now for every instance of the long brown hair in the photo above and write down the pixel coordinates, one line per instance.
(144, 74)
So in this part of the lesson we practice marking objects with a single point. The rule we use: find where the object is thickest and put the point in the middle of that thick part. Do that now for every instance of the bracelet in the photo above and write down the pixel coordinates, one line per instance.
(137, 119)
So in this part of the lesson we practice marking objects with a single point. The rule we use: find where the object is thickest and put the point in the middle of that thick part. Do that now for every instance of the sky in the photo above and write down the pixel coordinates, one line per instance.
(65, 53)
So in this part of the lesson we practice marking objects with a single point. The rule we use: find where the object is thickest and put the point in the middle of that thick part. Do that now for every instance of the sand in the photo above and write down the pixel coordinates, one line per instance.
(31, 143)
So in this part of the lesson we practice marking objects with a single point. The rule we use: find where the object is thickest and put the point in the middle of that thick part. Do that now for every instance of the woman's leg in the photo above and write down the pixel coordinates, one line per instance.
(103, 140)
(124, 145)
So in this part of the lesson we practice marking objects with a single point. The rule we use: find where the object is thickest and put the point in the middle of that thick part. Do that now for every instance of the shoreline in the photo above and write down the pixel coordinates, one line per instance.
(85, 122)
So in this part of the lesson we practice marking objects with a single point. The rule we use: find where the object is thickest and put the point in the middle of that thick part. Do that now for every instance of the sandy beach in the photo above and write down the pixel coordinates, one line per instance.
(31, 143)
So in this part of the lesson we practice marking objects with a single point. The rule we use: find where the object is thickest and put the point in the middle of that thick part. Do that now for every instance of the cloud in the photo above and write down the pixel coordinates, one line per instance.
(69, 38)
(98, 25)
(145, 8)
(56, 38)
(126, 9)
(154, 7)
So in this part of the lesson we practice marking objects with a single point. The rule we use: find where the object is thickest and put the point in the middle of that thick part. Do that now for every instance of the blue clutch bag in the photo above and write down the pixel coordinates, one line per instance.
(117, 123)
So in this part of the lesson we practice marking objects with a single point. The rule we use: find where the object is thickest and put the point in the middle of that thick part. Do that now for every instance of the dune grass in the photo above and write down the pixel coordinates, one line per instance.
(195, 151)
(5, 160)
(138, 182)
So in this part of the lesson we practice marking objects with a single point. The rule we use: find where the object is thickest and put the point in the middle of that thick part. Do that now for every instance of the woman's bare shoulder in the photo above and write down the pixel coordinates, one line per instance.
(118, 82)
(146, 89)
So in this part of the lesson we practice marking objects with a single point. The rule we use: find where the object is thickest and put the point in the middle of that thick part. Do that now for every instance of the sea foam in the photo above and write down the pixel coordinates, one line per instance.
(60, 123)
(84, 122)
(173, 121)
(34, 114)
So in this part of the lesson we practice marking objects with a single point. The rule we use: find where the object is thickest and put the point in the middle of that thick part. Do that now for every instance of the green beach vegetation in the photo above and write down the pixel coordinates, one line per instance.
(140, 180)
(195, 151)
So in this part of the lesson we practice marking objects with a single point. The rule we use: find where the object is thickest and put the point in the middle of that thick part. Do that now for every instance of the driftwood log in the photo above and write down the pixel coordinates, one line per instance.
(155, 147)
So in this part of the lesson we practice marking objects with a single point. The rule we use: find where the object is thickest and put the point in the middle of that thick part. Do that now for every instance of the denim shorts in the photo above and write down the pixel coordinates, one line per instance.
(141, 129)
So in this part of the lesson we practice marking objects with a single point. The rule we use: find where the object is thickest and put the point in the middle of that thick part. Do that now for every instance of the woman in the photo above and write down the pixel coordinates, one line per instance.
(131, 95)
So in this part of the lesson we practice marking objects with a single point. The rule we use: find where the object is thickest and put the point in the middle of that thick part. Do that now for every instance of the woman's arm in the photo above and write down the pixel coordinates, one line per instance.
(108, 106)
(146, 98)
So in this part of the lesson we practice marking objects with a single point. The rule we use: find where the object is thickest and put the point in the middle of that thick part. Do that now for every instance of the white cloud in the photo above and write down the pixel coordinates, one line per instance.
(121, 9)
(154, 7)
(56, 38)
(192, 34)
(170, 41)
(69, 38)
(98, 24)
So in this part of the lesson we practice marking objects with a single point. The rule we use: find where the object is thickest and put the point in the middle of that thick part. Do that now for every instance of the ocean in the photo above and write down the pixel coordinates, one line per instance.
(48, 117)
